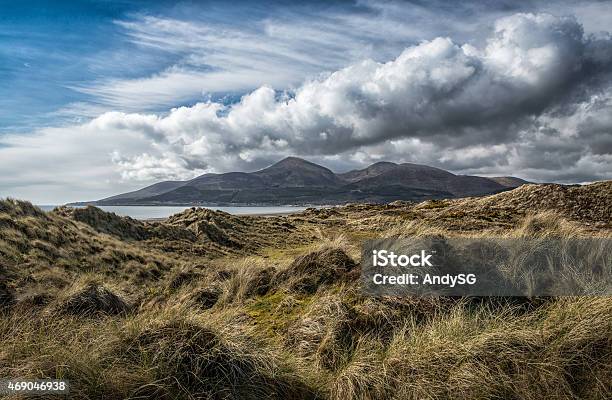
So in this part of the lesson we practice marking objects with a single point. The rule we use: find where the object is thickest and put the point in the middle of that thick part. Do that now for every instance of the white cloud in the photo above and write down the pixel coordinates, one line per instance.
(212, 55)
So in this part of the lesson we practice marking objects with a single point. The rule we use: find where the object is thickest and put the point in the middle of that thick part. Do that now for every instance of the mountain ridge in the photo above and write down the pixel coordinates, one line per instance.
(296, 181)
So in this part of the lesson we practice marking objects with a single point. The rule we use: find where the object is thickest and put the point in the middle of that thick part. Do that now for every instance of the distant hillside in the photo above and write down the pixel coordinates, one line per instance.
(422, 177)
(509, 181)
(297, 181)
(153, 190)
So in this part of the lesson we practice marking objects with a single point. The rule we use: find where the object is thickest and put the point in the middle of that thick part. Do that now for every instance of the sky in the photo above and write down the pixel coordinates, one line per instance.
(103, 97)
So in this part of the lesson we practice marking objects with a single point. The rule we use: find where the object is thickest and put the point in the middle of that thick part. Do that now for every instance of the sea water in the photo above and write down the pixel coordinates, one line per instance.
(152, 212)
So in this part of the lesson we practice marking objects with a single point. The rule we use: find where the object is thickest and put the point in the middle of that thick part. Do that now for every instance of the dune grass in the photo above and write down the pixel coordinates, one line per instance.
(122, 319)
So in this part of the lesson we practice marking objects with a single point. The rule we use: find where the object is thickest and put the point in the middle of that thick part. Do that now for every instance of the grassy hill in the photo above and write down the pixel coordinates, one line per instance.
(210, 305)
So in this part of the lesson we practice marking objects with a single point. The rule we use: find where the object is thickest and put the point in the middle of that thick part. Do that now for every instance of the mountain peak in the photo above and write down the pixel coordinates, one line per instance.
(382, 163)
(297, 172)
(293, 158)
(293, 162)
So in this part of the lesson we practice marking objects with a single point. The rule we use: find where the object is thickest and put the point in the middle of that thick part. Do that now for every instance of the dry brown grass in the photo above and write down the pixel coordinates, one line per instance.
(91, 298)
(165, 354)
(193, 316)
(307, 273)
(485, 354)
(7, 298)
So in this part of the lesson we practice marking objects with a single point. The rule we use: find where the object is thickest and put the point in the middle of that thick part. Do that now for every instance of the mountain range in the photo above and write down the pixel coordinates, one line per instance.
(299, 182)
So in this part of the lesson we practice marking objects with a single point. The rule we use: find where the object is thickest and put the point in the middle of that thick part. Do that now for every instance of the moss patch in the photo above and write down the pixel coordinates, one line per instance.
(275, 312)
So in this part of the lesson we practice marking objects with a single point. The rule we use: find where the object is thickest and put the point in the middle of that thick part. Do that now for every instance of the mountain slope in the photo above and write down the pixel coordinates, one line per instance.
(422, 177)
(296, 181)
(509, 181)
(368, 172)
(295, 172)
(153, 190)
(290, 172)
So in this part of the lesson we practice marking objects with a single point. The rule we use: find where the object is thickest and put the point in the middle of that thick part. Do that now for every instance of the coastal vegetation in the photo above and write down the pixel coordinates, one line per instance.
(209, 305)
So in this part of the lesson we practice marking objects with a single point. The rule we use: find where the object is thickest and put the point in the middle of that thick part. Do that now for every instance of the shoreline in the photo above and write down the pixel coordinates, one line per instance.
(267, 215)
(161, 213)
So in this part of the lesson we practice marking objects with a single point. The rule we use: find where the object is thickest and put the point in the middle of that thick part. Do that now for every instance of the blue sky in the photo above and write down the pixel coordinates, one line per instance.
(49, 49)
(46, 47)
(54, 55)
(99, 97)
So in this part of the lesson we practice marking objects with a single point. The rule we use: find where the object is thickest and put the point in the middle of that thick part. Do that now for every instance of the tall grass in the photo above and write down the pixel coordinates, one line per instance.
(121, 320)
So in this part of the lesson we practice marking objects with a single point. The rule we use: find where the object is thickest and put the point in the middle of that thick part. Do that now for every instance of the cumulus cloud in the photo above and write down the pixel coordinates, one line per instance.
(441, 92)
(533, 100)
